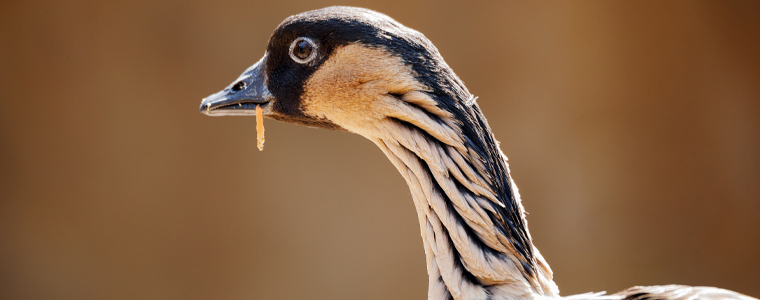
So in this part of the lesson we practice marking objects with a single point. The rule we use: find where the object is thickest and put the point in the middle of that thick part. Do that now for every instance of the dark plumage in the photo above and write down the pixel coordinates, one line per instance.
(360, 71)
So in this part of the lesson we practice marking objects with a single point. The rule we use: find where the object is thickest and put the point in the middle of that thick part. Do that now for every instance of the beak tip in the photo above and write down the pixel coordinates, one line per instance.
(204, 107)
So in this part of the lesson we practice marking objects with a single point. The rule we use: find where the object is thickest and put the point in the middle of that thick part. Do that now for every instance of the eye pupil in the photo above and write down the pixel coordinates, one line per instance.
(303, 49)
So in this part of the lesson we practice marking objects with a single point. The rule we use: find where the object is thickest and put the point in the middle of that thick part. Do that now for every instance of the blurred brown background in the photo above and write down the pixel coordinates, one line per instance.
(632, 128)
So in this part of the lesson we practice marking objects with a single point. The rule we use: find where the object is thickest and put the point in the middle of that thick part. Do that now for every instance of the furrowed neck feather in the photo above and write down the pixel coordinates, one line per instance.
(471, 221)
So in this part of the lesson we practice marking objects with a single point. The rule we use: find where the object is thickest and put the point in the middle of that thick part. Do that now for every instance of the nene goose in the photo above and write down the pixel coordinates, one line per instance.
(360, 71)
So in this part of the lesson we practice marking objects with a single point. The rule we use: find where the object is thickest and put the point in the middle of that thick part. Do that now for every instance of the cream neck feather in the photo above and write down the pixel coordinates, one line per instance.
(468, 256)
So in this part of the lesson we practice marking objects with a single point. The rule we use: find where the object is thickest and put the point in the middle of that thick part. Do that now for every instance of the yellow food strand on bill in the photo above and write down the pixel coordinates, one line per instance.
(259, 128)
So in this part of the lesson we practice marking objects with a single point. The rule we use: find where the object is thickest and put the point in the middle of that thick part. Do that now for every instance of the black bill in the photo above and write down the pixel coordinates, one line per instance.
(242, 96)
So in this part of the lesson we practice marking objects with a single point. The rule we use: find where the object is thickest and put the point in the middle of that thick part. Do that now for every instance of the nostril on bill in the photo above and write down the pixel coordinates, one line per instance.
(239, 86)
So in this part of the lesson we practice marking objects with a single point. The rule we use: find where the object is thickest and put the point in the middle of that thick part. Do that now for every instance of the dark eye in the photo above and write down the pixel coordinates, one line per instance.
(302, 50)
